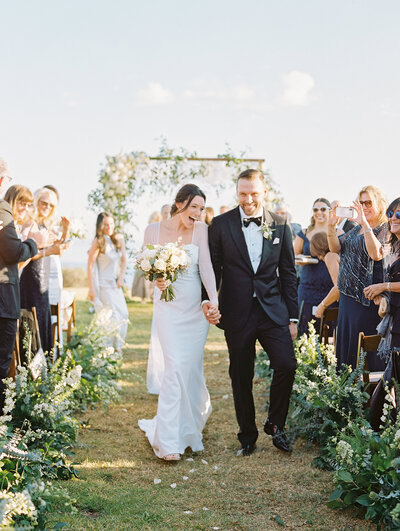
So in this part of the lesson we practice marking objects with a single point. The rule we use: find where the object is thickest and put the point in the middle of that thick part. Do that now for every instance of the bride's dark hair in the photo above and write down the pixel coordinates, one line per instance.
(187, 193)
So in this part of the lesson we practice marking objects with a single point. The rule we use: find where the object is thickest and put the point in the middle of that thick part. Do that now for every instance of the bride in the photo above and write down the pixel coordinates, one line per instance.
(184, 403)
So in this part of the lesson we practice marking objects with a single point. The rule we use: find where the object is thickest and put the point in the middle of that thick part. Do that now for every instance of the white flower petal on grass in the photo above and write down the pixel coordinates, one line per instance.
(191, 471)
(204, 462)
(157, 481)
(187, 512)
(190, 459)
(206, 509)
(173, 485)
(125, 410)
(225, 397)
(215, 467)
(215, 527)
(185, 478)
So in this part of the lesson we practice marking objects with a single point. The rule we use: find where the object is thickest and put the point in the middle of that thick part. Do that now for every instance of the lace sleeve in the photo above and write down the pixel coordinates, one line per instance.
(205, 266)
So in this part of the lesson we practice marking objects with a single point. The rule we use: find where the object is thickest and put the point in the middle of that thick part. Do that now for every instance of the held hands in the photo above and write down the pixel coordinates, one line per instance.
(293, 330)
(372, 291)
(211, 312)
(319, 312)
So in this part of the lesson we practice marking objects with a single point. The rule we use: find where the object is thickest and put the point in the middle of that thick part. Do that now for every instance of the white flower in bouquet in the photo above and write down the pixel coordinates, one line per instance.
(166, 262)
(77, 229)
(160, 264)
(145, 265)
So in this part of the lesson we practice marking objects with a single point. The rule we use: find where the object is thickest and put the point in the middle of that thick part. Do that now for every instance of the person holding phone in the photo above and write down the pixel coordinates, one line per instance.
(345, 215)
(360, 266)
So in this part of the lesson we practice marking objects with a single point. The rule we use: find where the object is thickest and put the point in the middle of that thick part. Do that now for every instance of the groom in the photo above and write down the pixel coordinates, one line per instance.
(252, 255)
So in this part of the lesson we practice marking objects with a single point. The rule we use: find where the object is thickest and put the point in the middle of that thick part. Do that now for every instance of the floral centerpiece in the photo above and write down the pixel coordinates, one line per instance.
(163, 261)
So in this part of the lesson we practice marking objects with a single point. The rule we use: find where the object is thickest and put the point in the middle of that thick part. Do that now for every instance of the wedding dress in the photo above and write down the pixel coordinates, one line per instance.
(184, 402)
(108, 294)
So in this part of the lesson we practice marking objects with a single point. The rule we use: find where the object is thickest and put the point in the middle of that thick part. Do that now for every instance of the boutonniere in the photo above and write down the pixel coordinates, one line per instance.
(266, 230)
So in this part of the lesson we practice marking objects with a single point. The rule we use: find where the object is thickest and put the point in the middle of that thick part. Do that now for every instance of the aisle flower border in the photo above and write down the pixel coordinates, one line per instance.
(38, 427)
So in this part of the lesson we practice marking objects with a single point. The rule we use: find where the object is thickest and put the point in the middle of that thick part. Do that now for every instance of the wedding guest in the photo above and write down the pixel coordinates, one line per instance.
(282, 210)
(60, 228)
(209, 211)
(35, 276)
(107, 253)
(360, 266)
(389, 291)
(12, 251)
(319, 247)
(223, 209)
(315, 280)
(165, 212)
(142, 287)
(344, 224)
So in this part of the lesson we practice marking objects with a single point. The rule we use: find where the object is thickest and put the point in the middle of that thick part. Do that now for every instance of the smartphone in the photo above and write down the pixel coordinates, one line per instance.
(345, 212)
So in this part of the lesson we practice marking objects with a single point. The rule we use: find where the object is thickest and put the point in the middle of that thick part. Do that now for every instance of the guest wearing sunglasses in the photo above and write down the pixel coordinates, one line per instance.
(390, 325)
(315, 280)
(34, 281)
(360, 266)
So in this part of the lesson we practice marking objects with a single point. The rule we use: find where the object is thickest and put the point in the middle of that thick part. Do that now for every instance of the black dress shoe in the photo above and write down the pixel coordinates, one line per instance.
(248, 449)
(278, 437)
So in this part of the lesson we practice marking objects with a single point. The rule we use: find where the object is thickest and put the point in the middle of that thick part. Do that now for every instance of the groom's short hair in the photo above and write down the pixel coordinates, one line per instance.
(252, 175)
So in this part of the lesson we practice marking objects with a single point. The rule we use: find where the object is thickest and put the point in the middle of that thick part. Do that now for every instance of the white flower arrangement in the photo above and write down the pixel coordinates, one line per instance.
(77, 229)
(14, 504)
(267, 230)
(163, 261)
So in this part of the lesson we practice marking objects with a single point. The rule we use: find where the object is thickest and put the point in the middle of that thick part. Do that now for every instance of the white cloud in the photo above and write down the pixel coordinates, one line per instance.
(153, 94)
(297, 89)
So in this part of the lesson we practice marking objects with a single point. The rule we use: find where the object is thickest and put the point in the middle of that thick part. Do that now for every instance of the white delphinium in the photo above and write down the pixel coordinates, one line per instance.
(14, 504)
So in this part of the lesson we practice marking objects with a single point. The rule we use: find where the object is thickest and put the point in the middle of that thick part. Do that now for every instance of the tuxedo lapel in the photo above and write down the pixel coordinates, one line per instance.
(267, 244)
(235, 226)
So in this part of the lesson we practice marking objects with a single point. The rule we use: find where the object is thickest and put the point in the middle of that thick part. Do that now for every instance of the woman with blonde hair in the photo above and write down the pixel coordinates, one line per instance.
(108, 254)
(360, 266)
(34, 280)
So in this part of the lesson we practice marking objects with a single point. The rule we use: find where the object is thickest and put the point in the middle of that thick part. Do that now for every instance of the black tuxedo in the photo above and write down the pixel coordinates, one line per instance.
(12, 251)
(265, 316)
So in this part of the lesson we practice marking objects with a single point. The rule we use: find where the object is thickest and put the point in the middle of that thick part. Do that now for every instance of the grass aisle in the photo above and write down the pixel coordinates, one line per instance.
(116, 489)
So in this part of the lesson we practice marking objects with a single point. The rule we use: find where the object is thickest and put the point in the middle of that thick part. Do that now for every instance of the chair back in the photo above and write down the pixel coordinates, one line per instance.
(29, 336)
(328, 325)
(368, 344)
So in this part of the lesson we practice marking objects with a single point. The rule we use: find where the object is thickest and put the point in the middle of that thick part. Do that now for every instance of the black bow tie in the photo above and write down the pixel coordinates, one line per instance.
(257, 221)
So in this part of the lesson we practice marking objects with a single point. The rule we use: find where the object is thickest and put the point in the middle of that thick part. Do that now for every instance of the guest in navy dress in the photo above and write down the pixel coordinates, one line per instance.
(315, 280)
(360, 266)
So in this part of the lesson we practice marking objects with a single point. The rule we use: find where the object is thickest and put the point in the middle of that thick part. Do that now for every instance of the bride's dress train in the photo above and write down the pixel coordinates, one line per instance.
(184, 402)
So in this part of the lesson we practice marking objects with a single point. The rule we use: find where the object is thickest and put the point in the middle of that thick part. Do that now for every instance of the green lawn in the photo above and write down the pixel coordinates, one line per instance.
(116, 490)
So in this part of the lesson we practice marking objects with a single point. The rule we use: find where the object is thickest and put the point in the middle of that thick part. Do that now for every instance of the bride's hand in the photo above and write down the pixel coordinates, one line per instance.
(162, 284)
(211, 312)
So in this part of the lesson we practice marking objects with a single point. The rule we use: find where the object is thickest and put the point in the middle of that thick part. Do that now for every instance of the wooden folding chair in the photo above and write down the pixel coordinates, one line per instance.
(328, 324)
(16, 358)
(28, 320)
(72, 321)
(369, 344)
(56, 327)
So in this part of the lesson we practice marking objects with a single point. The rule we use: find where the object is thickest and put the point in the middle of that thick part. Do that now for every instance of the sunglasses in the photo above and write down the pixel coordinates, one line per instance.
(46, 204)
(367, 203)
(322, 209)
(390, 214)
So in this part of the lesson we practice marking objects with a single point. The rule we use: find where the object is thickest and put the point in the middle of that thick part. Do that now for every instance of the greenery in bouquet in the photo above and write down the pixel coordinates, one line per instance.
(165, 262)
(367, 470)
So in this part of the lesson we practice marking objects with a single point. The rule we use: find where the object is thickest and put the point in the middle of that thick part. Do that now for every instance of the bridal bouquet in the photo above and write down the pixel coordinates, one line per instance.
(163, 261)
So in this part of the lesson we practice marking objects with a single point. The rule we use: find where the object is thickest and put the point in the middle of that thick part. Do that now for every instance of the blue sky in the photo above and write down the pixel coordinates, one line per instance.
(310, 86)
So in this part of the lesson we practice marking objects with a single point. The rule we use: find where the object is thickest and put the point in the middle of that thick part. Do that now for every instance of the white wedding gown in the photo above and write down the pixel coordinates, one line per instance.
(184, 402)
(107, 293)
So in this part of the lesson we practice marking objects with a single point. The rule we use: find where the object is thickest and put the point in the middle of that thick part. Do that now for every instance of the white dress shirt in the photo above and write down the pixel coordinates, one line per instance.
(253, 237)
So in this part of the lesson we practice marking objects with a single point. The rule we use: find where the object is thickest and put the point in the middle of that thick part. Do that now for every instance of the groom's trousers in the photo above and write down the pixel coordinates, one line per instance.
(277, 343)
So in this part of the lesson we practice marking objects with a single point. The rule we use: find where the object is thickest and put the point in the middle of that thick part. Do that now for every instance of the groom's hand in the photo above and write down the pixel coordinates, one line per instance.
(293, 330)
(211, 313)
